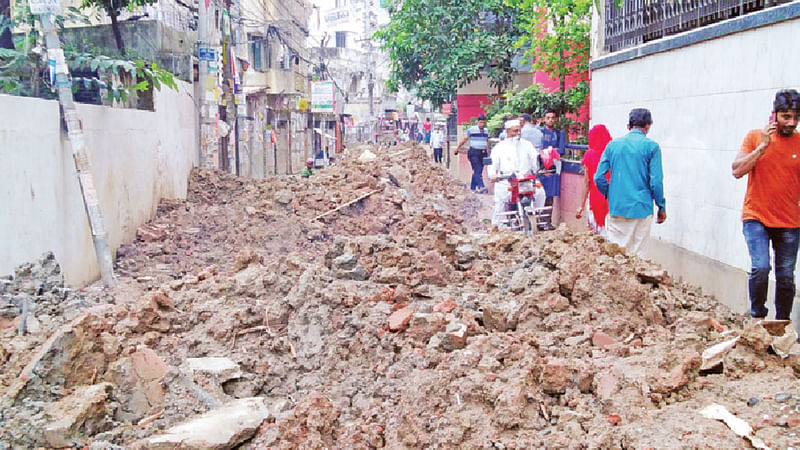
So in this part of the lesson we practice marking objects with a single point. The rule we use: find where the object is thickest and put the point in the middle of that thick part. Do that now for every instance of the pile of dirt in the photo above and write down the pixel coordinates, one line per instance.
(397, 321)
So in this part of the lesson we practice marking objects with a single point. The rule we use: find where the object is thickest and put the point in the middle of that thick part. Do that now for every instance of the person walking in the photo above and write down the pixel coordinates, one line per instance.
(599, 137)
(426, 129)
(437, 140)
(636, 182)
(478, 137)
(550, 155)
(770, 157)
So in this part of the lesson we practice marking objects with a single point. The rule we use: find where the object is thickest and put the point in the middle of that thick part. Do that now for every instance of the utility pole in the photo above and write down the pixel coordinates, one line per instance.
(75, 133)
(371, 78)
(205, 52)
(237, 34)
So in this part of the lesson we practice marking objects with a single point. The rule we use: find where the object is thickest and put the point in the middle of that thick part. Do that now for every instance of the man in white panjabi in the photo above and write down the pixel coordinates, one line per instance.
(511, 156)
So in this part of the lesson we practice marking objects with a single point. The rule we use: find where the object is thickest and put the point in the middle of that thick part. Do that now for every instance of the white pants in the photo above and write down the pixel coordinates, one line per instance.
(629, 233)
(501, 198)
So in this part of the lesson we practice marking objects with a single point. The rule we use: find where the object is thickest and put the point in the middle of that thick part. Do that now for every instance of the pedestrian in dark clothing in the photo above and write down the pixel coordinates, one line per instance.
(478, 137)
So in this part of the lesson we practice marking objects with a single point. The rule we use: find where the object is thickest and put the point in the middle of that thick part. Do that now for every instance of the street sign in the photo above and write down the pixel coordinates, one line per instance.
(45, 6)
(206, 54)
(322, 96)
(447, 109)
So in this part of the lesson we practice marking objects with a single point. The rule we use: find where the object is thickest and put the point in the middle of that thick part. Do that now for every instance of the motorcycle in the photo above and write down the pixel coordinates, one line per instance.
(521, 213)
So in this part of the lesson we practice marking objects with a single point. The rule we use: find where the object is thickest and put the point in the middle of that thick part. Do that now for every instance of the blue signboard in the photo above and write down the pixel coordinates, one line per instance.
(206, 54)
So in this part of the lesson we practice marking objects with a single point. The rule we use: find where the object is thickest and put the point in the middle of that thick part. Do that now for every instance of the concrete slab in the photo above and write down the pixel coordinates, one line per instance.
(221, 428)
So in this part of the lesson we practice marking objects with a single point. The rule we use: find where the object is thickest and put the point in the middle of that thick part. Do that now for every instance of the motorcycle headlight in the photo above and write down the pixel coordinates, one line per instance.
(526, 186)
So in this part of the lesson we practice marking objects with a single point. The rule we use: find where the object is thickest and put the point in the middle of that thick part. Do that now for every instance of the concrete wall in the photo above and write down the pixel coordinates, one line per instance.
(137, 158)
(704, 98)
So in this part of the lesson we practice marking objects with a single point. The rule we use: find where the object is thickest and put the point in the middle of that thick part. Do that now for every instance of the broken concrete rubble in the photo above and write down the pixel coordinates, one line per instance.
(221, 428)
(399, 321)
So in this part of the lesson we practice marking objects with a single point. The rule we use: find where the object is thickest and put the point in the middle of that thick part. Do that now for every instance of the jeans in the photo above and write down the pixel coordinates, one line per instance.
(437, 155)
(475, 157)
(784, 245)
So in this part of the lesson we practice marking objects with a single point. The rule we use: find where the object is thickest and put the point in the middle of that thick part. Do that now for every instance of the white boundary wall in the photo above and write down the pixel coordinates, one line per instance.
(137, 158)
(704, 98)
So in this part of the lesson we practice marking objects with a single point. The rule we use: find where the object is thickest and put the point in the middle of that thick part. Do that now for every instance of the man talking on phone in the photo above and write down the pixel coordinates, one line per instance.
(771, 159)
(637, 182)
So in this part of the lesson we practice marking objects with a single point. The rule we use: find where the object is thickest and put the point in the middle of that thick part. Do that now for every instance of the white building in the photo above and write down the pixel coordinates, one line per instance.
(340, 40)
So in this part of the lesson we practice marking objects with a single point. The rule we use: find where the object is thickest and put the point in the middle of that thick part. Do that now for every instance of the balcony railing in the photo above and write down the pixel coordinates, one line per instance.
(633, 22)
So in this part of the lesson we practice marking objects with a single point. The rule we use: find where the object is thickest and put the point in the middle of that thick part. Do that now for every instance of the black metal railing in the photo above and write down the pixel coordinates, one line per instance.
(633, 22)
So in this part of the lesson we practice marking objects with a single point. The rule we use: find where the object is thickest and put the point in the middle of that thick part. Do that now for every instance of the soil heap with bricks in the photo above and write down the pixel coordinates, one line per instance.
(244, 319)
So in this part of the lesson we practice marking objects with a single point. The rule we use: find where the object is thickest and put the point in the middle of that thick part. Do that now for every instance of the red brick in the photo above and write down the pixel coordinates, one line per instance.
(714, 323)
(613, 419)
(400, 318)
(602, 340)
(148, 365)
(445, 306)
(555, 376)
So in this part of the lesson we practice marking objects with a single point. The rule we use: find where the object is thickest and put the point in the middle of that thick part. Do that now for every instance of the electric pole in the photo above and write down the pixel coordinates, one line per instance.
(79, 156)
(205, 53)
(370, 77)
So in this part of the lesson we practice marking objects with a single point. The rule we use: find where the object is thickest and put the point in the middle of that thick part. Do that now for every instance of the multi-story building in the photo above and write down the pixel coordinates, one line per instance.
(343, 50)
(274, 135)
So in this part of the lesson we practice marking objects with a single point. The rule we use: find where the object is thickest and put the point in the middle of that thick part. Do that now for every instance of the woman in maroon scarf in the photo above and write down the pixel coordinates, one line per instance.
(599, 137)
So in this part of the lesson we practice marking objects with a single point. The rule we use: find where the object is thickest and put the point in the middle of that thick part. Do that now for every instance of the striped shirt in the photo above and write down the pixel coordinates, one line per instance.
(478, 139)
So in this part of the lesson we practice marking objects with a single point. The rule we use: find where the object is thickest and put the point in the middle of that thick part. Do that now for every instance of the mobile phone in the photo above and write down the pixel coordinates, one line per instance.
(772, 117)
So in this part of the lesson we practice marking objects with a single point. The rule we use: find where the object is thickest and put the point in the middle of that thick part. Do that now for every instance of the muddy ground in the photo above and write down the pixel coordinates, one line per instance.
(241, 319)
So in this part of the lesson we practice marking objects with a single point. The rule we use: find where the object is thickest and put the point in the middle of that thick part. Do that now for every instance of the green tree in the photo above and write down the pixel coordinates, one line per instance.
(113, 8)
(24, 73)
(437, 46)
(557, 38)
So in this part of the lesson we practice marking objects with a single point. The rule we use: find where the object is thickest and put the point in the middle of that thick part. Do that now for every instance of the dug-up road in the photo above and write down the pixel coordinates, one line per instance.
(243, 319)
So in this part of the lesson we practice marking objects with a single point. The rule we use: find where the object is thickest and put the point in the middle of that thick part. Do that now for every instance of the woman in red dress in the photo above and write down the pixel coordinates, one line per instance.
(599, 137)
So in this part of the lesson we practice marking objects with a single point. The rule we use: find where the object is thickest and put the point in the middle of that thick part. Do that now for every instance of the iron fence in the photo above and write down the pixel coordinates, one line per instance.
(629, 23)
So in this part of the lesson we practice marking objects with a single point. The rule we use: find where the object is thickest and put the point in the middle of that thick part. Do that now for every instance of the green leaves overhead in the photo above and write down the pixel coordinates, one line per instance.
(557, 35)
(436, 46)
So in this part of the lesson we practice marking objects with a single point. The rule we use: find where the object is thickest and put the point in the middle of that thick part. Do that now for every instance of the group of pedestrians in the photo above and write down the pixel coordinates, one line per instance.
(624, 183)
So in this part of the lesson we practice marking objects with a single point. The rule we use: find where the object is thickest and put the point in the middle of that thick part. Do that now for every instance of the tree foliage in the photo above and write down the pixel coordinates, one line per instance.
(535, 101)
(24, 70)
(437, 46)
(557, 35)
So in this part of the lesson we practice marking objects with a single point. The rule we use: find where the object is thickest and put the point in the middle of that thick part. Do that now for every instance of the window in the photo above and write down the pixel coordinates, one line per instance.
(260, 54)
(256, 51)
(286, 57)
(341, 39)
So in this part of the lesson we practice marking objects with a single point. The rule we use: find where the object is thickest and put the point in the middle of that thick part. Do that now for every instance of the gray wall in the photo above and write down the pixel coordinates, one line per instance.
(137, 158)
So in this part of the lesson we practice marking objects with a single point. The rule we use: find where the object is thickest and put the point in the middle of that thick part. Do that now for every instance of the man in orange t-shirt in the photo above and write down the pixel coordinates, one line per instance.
(771, 158)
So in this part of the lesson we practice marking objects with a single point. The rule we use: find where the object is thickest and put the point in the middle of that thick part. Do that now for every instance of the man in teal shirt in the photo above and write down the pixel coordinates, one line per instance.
(636, 183)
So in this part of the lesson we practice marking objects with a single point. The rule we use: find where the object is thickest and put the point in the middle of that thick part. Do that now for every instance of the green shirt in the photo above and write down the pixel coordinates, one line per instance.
(306, 172)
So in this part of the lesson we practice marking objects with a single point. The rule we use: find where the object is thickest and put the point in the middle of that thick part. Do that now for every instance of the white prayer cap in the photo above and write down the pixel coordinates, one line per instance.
(512, 123)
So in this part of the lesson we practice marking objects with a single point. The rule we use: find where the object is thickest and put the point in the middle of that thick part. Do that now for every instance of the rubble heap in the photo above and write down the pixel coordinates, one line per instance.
(397, 321)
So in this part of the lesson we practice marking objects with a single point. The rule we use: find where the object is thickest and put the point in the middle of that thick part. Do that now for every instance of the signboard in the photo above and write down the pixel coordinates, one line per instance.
(322, 96)
(447, 109)
(206, 54)
(337, 16)
(45, 6)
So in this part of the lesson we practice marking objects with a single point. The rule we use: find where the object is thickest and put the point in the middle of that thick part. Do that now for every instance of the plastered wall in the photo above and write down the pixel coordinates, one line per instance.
(137, 158)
